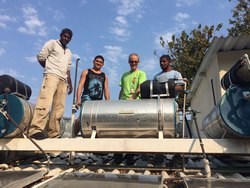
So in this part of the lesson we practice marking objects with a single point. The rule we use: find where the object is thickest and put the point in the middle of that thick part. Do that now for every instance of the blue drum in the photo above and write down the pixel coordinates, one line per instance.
(20, 111)
(231, 117)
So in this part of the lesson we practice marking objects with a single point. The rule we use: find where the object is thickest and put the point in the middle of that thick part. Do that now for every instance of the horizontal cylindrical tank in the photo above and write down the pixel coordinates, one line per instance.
(231, 117)
(239, 74)
(129, 118)
(19, 110)
(8, 84)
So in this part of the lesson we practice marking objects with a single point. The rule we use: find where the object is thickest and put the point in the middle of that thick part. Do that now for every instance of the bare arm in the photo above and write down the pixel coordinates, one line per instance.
(120, 94)
(70, 87)
(134, 96)
(179, 87)
(80, 87)
(106, 89)
(42, 63)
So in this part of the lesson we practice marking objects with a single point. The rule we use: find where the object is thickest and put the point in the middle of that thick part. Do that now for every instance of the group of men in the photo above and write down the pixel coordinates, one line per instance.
(55, 58)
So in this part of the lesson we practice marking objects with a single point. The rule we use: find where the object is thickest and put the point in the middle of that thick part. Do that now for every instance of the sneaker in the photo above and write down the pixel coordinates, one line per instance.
(39, 136)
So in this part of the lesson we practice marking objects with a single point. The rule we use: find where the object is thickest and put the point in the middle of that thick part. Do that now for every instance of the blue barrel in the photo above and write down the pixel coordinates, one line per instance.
(20, 111)
(231, 117)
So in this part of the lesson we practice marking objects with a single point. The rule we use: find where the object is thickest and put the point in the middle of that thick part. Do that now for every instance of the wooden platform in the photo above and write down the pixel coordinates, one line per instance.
(187, 146)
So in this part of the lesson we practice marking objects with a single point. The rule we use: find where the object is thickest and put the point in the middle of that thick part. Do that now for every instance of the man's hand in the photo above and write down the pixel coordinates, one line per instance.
(70, 89)
(42, 63)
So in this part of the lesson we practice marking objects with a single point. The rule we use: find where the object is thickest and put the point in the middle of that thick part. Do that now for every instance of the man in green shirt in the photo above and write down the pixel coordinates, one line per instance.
(130, 90)
(131, 80)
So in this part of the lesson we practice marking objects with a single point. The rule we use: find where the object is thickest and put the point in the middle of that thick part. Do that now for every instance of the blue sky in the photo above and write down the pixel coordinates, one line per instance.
(112, 28)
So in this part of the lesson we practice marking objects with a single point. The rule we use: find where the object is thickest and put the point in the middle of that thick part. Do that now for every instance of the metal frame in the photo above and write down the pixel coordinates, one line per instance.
(183, 146)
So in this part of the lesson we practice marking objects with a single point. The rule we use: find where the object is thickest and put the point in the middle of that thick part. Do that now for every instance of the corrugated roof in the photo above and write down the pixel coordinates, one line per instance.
(218, 44)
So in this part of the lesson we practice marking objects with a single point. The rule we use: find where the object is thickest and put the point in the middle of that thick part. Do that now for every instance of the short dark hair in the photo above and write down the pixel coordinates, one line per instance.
(99, 57)
(67, 30)
(166, 57)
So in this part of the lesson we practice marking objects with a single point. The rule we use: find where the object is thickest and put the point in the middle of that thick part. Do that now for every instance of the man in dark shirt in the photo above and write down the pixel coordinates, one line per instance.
(93, 85)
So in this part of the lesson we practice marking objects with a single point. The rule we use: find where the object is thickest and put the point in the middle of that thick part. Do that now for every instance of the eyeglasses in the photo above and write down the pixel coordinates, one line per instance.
(133, 61)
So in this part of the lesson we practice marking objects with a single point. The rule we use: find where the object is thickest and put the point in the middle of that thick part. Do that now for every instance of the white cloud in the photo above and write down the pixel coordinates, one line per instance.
(180, 3)
(33, 25)
(12, 73)
(58, 16)
(121, 20)
(2, 51)
(4, 19)
(125, 9)
(129, 7)
(114, 54)
(31, 59)
(3, 25)
(83, 2)
(167, 36)
(180, 17)
(151, 66)
(121, 33)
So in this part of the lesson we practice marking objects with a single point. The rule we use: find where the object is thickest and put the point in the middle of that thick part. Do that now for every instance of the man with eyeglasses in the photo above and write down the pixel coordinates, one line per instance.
(130, 89)
(131, 80)
(55, 58)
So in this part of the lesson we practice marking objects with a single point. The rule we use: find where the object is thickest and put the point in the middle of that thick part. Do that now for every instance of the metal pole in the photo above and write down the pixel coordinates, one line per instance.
(206, 162)
(74, 109)
(73, 102)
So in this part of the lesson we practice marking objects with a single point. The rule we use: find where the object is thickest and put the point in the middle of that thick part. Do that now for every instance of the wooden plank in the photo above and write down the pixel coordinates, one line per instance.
(187, 146)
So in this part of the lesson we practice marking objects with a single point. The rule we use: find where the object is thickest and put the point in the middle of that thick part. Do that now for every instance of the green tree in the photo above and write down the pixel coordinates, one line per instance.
(241, 19)
(187, 51)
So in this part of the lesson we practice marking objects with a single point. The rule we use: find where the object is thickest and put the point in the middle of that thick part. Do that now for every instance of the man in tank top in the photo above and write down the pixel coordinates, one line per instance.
(93, 84)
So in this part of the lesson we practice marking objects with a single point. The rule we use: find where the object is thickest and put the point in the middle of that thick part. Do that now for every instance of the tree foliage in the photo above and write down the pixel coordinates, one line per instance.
(241, 19)
(187, 51)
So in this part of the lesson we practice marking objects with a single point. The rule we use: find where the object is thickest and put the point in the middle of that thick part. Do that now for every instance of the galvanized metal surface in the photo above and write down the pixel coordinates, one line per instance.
(129, 118)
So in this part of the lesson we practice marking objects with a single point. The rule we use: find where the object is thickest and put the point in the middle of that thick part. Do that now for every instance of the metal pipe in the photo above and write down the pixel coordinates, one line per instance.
(206, 162)
(74, 109)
